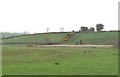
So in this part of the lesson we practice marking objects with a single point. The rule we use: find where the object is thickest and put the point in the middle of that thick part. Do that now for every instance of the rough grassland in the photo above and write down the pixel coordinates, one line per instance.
(38, 38)
(107, 38)
(23, 60)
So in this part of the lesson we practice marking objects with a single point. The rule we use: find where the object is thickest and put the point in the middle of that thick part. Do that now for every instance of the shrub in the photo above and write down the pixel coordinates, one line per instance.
(65, 38)
(30, 45)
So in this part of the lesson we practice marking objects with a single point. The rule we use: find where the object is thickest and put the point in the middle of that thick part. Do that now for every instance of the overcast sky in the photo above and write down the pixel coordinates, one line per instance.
(37, 15)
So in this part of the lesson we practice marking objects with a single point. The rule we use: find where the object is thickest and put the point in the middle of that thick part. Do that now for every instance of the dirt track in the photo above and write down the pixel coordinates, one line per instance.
(77, 46)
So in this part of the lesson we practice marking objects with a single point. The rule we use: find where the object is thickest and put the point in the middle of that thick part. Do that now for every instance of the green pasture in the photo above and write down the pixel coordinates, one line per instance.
(23, 60)
(38, 38)
(107, 38)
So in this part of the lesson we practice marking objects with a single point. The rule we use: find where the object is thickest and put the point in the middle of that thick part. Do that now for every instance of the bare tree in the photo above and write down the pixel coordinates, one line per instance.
(61, 29)
(47, 29)
(25, 32)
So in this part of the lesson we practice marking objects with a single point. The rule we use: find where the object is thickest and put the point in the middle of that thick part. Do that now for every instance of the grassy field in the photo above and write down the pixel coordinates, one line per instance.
(38, 38)
(23, 60)
(87, 38)
(107, 38)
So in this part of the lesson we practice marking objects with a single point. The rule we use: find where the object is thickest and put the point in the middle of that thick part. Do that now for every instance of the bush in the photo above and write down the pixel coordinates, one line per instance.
(65, 38)
(30, 45)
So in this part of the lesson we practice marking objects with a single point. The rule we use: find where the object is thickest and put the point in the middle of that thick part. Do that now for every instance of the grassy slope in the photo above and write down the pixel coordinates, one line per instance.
(72, 40)
(96, 38)
(83, 61)
(87, 38)
(39, 38)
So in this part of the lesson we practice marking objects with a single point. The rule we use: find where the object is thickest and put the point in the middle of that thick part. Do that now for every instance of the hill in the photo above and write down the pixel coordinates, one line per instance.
(107, 38)
(95, 38)
(36, 38)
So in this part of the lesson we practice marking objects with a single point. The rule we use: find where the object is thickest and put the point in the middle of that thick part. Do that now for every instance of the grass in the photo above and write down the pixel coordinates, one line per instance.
(87, 38)
(107, 38)
(38, 38)
(23, 60)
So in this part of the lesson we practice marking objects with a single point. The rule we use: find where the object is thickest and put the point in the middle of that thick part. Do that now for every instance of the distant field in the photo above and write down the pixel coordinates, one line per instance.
(35, 60)
(108, 38)
(38, 38)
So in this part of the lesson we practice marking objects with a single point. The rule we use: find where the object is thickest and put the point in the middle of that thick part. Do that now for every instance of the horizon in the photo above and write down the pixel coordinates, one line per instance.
(57, 32)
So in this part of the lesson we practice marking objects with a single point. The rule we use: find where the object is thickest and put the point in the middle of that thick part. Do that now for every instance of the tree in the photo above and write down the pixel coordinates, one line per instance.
(47, 29)
(91, 29)
(3, 35)
(84, 29)
(61, 29)
(99, 27)
(25, 32)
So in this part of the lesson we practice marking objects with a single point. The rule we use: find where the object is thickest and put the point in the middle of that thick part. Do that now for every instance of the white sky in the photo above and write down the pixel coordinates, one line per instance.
(37, 15)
